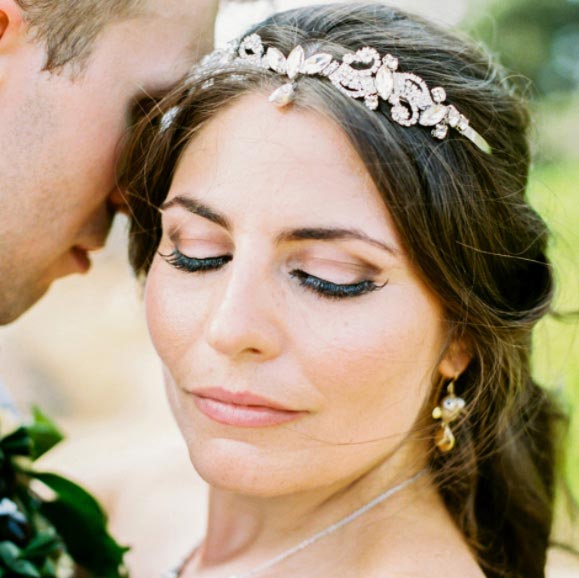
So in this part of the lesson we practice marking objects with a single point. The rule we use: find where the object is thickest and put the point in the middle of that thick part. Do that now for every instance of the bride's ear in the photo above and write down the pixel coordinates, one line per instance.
(456, 359)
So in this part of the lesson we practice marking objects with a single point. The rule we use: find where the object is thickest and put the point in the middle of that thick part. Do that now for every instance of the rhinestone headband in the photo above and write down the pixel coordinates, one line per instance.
(360, 75)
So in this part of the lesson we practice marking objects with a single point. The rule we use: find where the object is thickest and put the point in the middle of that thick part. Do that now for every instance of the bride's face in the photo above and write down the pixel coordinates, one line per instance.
(298, 343)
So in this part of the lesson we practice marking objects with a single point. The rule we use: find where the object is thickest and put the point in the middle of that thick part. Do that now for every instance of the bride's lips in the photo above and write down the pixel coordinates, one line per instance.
(242, 409)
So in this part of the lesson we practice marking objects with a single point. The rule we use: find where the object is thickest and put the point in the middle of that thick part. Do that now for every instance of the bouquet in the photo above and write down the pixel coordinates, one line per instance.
(49, 526)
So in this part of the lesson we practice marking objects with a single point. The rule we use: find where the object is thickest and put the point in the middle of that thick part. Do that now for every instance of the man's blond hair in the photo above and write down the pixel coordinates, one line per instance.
(69, 28)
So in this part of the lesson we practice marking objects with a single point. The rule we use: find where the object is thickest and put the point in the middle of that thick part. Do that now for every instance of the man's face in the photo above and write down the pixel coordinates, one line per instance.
(60, 135)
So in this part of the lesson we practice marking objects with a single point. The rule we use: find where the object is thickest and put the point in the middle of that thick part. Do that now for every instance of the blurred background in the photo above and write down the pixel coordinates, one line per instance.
(84, 357)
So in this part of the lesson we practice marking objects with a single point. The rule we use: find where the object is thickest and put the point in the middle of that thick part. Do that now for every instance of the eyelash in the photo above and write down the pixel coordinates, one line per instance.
(323, 288)
(193, 265)
(331, 290)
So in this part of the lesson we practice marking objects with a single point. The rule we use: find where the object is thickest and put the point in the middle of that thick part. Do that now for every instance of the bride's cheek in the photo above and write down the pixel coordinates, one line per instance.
(162, 307)
(175, 307)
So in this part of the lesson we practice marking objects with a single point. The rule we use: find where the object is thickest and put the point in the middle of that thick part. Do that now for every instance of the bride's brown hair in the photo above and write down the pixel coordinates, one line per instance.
(465, 222)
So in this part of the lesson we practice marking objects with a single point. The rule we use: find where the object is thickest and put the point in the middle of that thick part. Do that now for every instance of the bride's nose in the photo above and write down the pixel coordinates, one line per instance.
(244, 320)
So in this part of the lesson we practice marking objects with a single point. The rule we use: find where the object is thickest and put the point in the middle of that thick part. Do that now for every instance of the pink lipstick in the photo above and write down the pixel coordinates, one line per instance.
(242, 409)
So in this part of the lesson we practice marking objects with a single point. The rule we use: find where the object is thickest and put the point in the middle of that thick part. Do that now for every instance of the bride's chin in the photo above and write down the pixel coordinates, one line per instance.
(238, 467)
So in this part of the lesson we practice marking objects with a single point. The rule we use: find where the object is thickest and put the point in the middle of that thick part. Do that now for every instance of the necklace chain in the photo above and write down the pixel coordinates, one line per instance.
(318, 535)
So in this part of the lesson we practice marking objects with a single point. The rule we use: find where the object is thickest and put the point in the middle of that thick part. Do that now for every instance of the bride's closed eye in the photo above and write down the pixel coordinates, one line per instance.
(322, 287)
(193, 264)
(334, 290)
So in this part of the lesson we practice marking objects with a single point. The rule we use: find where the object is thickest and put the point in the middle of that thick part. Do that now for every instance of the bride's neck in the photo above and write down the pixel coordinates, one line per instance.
(253, 528)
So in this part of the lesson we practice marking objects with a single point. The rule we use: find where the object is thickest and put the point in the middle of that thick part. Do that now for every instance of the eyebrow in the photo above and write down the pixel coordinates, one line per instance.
(332, 234)
(197, 208)
(302, 234)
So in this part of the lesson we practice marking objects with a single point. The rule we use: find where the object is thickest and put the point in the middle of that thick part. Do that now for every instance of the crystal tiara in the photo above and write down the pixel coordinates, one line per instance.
(360, 75)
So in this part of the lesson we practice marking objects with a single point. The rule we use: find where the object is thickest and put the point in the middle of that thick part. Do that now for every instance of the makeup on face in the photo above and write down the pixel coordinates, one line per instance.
(290, 323)
(335, 262)
(242, 409)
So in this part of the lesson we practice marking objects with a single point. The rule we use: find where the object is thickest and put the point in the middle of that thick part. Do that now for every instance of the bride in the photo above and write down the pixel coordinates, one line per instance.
(342, 275)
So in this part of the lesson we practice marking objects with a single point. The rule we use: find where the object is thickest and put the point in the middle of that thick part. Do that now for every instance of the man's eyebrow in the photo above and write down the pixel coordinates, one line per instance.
(333, 234)
(197, 208)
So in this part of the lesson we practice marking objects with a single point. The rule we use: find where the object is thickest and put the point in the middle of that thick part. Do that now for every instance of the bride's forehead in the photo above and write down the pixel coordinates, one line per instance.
(254, 130)
(252, 146)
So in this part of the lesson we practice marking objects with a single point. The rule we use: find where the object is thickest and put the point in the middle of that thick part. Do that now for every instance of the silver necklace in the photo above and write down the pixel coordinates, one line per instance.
(318, 535)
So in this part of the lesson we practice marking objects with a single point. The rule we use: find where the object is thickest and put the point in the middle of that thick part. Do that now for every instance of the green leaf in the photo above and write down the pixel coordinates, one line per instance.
(11, 556)
(25, 568)
(43, 433)
(81, 522)
(18, 443)
(48, 570)
(73, 494)
(42, 546)
(9, 553)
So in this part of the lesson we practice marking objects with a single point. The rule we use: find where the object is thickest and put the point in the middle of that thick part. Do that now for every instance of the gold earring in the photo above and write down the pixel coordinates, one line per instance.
(448, 411)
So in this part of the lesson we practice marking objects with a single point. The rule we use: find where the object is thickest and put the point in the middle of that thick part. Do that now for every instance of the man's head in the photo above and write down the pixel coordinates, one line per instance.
(68, 28)
(70, 73)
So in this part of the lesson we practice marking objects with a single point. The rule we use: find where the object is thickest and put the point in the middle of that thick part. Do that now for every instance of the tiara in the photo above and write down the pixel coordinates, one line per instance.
(363, 74)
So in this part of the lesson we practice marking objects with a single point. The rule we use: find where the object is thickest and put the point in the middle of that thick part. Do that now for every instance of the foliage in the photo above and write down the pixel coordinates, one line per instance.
(556, 344)
(54, 536)
(535, 38)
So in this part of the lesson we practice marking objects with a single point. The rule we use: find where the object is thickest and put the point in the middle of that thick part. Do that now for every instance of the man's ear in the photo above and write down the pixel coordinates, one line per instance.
(12, 33)
(11, 24)
(456, 359)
